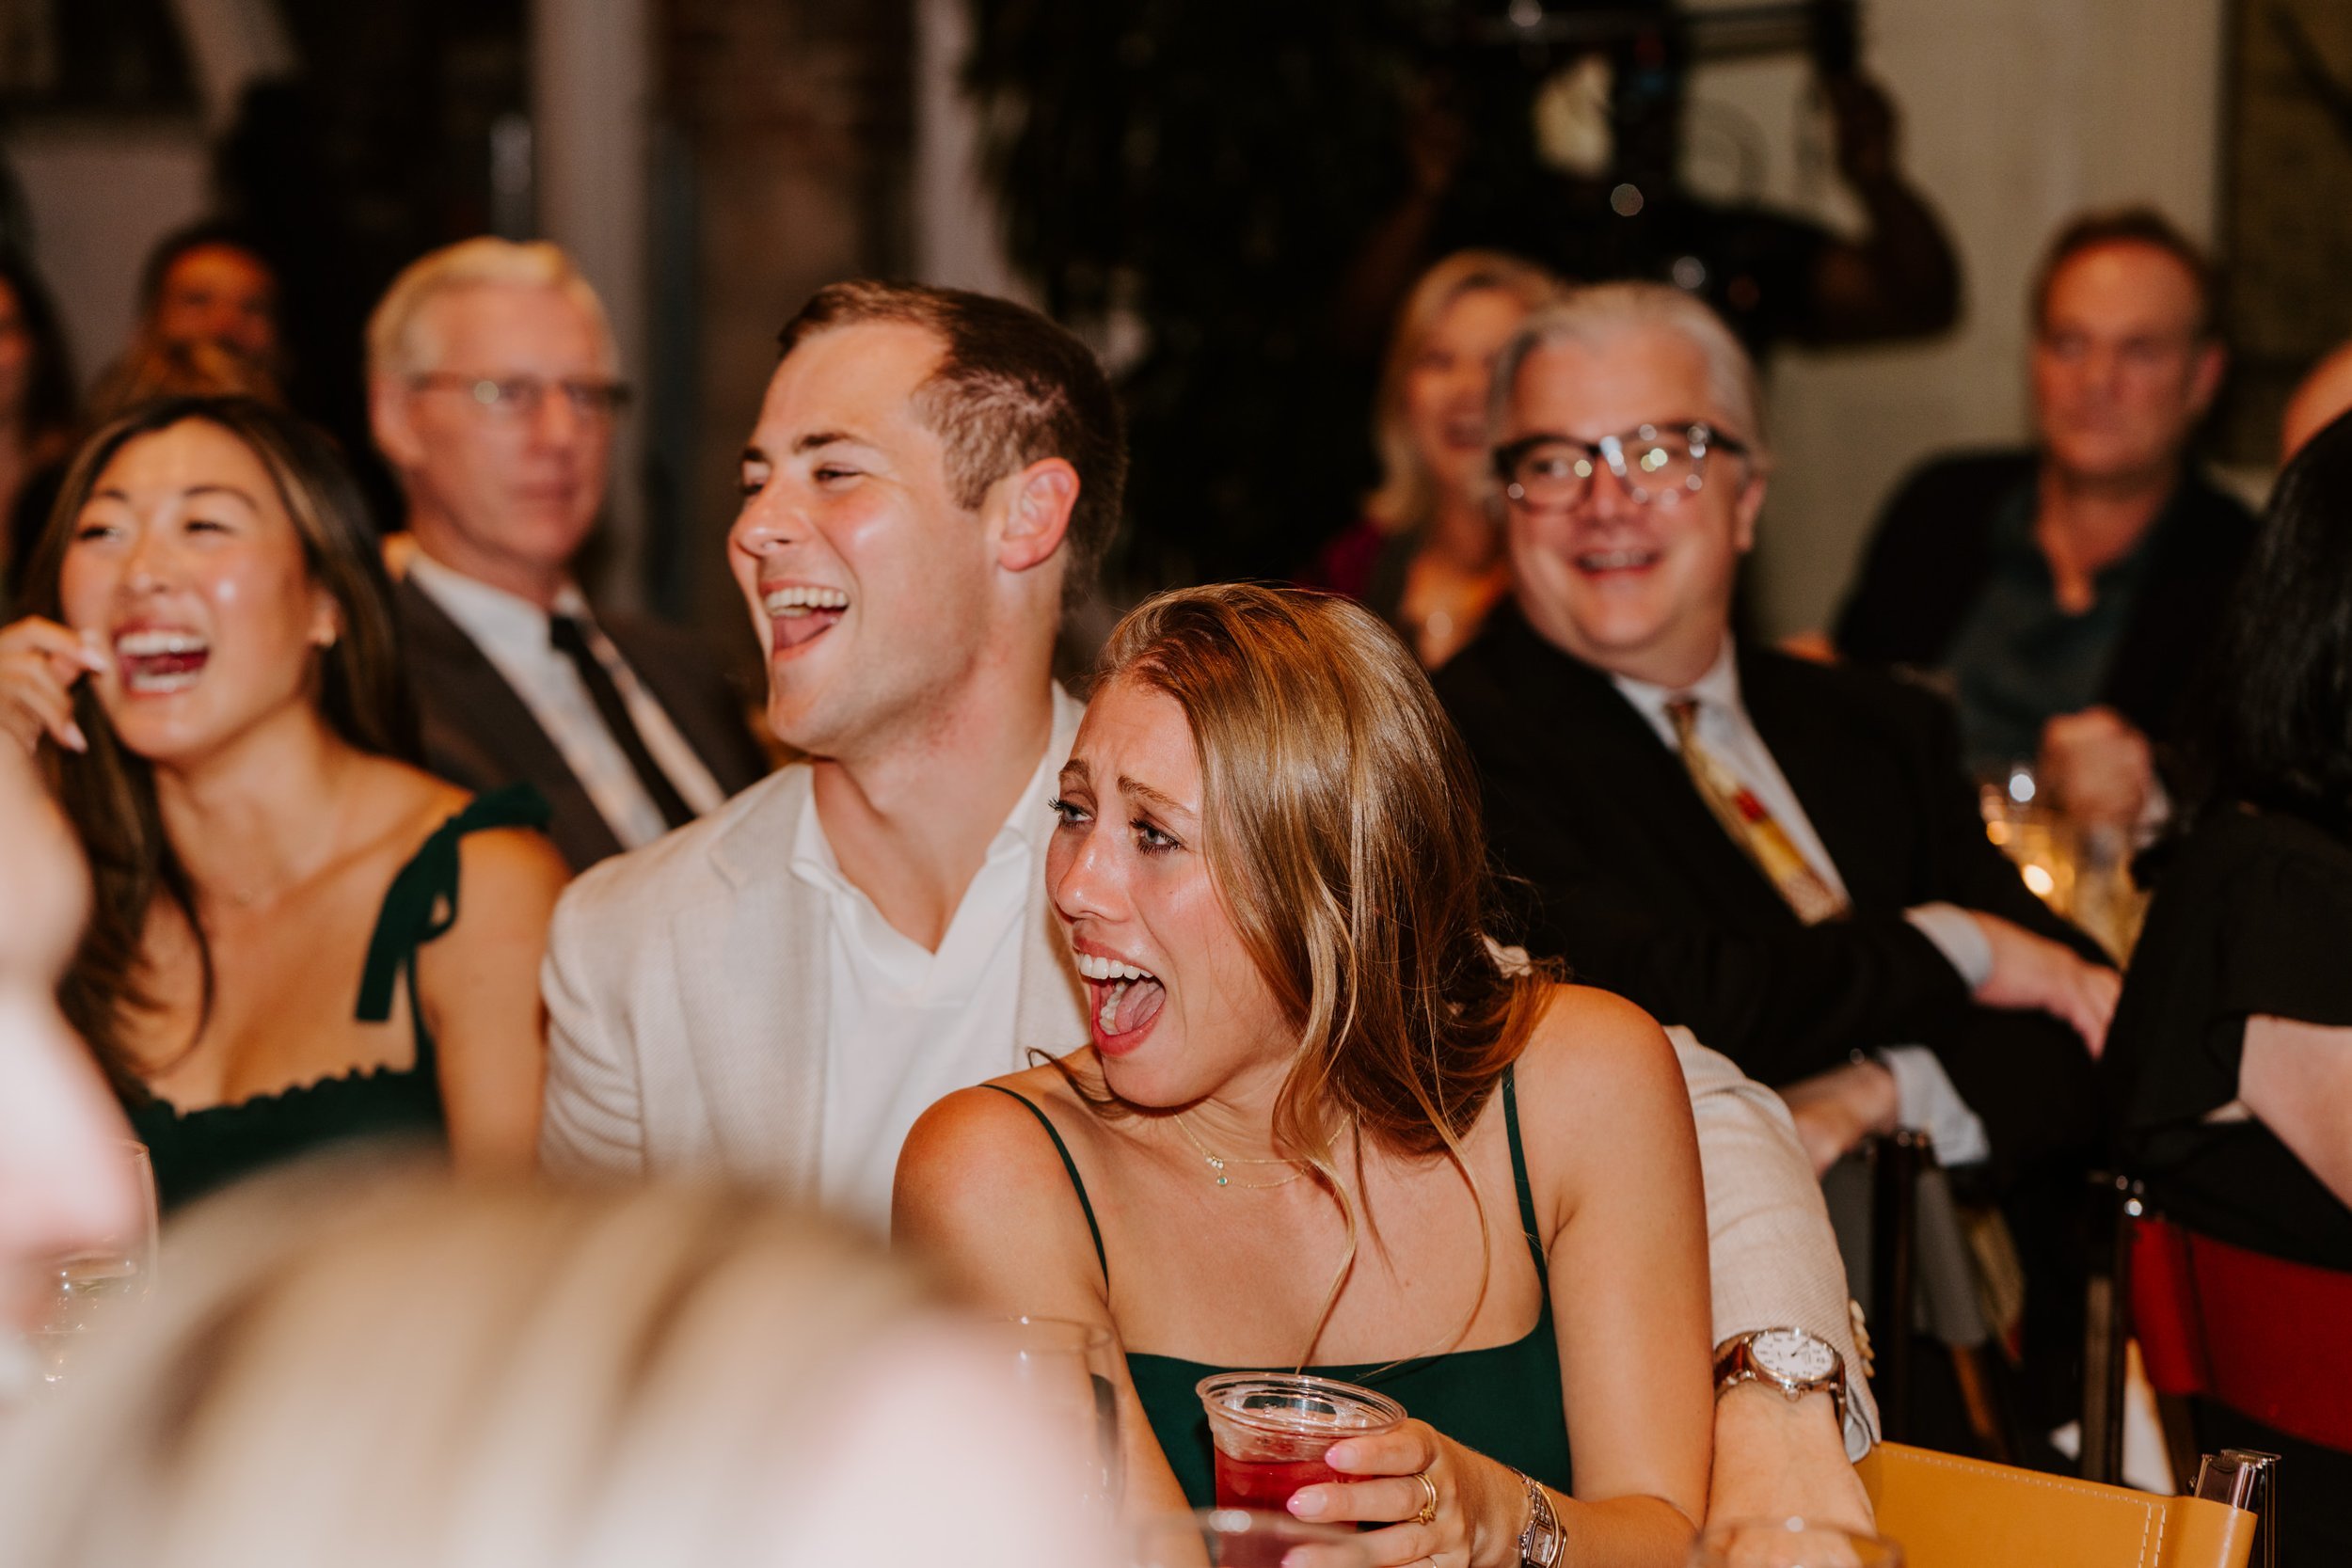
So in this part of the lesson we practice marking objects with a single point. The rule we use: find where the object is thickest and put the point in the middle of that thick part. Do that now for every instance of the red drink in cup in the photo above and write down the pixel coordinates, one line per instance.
(1272, 1429)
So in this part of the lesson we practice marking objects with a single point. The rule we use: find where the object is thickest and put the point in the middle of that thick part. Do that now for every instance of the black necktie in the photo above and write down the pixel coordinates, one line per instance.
(571, 640)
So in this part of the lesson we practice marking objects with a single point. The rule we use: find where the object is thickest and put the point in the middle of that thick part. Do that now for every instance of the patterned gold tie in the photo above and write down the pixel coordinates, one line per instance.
(1751, 826)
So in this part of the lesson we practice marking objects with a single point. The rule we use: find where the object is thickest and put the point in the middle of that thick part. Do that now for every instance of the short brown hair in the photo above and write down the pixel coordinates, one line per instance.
(1012, 389)
(2141, 226)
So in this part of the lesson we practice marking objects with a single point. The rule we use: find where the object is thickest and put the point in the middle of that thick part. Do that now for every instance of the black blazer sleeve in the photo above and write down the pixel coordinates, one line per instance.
(1784, 1000)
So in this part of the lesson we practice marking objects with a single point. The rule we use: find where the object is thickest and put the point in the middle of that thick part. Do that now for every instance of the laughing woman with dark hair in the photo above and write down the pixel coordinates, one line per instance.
(209, 668)
(2232, 1047)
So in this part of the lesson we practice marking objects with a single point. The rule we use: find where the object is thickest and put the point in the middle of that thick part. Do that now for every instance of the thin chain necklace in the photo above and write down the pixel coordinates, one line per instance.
(1219, 1162)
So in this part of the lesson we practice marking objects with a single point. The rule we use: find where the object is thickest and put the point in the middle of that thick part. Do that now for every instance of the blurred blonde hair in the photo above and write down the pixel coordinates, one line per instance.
(390, 1371)
(153, 370)
(1407, 496)
(400, 336)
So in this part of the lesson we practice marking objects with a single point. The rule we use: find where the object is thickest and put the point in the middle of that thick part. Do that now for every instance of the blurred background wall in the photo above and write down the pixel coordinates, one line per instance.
(712, 161)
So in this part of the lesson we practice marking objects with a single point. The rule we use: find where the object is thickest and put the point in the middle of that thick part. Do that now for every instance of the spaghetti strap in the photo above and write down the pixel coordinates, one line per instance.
(1076, 1184)
(1518, 1180)
(421, 904)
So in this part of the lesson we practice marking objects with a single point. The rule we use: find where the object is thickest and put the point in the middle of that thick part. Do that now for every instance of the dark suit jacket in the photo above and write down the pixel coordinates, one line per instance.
(479, 734)
(1931, 552)
(1634, 881)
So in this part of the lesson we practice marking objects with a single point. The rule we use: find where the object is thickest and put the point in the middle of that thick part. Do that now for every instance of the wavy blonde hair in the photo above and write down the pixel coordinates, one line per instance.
(1343, 834)
(1407, 494)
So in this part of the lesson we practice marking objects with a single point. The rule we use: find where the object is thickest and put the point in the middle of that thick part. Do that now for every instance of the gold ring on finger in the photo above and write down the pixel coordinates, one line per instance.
(1428, 1514)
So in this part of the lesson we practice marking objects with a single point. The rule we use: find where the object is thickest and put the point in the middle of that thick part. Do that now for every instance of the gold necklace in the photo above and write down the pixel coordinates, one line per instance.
(1219, 1162)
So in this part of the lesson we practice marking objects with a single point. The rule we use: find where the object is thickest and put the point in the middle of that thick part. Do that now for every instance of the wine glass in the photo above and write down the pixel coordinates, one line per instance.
(1243, 1537)
(1790, 1543)
(88, 1287)
(1065, 1369)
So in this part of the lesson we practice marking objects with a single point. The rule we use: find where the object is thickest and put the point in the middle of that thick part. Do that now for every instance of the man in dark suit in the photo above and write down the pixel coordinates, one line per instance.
(2068, 594)
(493, 393)
(1782, 855)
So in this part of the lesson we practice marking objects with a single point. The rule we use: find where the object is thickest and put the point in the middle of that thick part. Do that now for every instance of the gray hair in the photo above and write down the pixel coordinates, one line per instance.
(1599, 315)
(399, 341)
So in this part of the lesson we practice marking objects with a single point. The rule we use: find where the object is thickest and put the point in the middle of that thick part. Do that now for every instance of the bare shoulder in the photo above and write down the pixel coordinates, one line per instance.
(981, 1189)
(976, 1140)
(512, 864)
(1593, 1055)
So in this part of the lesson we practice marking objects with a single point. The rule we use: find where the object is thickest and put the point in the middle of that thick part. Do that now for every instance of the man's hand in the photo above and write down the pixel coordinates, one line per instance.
(1779, 1459)
(2034, 972)
(2098, 767)
(1835, 1110)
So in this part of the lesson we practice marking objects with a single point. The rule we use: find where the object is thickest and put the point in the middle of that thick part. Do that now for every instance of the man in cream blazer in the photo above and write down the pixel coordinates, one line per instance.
(776, 991)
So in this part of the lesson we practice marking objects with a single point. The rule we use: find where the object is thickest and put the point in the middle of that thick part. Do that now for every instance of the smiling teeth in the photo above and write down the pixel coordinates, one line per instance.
(796, 602)
(1613, 561)
(1110, 969)
(153, 644)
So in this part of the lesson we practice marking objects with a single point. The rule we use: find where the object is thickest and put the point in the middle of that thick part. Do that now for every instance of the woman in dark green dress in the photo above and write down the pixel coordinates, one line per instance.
(1326, 1123)
(280, 955)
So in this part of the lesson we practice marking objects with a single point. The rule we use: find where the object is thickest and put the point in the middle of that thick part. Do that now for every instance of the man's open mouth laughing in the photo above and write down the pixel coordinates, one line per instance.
(799, 613)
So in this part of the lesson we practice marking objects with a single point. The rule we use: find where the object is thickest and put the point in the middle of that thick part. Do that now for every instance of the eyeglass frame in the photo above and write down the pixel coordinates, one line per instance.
(590, 399)
(1702, 436)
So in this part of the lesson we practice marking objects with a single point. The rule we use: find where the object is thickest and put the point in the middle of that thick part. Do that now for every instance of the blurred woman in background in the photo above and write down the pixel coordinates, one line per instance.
(1326, 1123)
(1427, 557)
(388, 1372)
(2230, 1052)
(210, 666)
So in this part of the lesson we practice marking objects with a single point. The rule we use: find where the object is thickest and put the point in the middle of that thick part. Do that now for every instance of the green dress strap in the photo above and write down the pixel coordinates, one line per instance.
(1519, 1178)
(422, 903)
(1077, 1182)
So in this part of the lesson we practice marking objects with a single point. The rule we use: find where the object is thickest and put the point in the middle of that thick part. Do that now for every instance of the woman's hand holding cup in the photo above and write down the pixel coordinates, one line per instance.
(1433, 1498)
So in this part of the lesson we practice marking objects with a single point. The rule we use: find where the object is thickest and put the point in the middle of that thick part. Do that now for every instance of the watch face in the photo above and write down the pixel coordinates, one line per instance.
(1793, 1355)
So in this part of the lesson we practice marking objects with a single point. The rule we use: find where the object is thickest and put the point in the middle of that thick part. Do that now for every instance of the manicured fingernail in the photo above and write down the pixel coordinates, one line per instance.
(75, 739)
(1307, 1505)
(1339, 1456)
(1294, 1557)
(93, 653)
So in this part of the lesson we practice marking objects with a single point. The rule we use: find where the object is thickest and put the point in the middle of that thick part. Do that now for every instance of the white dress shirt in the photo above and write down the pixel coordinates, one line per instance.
(514, 635)
(907, 1026)
(1925, 1097)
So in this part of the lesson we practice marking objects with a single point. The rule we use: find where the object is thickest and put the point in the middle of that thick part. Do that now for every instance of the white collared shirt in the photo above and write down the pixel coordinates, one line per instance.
(907, 1026)
(514, 635)
(1925, 1095)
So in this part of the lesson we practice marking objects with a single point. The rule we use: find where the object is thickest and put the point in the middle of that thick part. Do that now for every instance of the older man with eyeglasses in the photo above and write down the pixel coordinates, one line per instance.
(1784, 856)
(494, 393)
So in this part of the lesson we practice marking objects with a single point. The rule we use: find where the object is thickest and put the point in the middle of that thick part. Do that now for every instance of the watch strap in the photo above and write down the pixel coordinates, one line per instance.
(1540, 1542)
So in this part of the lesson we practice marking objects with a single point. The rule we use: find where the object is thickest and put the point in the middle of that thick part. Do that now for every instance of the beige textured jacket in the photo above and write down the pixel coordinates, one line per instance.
(685, 992)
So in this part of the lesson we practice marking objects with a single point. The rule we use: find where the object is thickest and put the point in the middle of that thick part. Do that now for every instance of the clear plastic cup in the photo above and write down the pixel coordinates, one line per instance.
(1234, 1538)
(1272, 1429)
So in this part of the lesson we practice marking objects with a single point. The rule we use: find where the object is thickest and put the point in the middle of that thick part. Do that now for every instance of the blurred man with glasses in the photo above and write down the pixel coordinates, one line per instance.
(494, 392)
(1784, 856)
